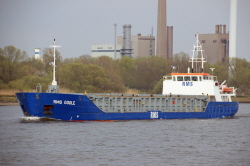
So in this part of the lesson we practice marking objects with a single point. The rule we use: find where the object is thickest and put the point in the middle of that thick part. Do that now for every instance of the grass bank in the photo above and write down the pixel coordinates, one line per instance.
(242, 99)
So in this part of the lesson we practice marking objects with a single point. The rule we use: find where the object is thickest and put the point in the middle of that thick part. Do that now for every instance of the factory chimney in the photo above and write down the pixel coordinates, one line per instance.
(232, 35)
(161, 45)
(127, 45)
(169, 41)
(233, 26)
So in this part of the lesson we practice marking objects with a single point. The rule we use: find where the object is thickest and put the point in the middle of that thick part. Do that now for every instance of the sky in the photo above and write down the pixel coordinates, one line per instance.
(78, 24)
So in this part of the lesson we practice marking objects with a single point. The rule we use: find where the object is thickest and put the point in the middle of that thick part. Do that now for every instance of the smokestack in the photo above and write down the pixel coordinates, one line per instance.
(224, 29)
(169, 41)
(233, 26)
(161, 47)
(127, 45)
(220, 29)
(216, 28)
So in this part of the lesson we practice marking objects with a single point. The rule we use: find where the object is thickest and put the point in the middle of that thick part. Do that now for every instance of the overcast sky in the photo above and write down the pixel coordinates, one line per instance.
(78, 24)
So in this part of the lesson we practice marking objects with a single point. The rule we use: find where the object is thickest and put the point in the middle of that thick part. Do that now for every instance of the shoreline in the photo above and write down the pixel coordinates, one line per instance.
(9, 104)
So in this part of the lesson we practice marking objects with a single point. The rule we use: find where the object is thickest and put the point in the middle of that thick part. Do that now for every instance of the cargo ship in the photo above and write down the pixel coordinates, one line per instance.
(191, 95)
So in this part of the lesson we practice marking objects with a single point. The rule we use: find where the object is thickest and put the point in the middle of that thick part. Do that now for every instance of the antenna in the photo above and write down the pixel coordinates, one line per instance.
(212, 69)
(54, 82)
(115, 42)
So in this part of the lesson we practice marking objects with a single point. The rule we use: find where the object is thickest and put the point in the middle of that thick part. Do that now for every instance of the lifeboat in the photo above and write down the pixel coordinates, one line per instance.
(228, 90)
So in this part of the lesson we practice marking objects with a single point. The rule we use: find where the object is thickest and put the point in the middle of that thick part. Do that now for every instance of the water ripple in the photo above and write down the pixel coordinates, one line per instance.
(157, 142)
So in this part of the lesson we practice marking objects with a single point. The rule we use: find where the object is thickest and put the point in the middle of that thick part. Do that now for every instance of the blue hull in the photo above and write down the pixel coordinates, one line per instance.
(75, 107)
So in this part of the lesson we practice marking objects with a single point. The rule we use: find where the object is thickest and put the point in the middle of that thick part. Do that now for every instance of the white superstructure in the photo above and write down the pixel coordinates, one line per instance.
(197, 83)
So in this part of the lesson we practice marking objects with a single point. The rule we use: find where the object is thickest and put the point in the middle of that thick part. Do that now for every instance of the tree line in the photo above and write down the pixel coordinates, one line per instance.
(105, 75)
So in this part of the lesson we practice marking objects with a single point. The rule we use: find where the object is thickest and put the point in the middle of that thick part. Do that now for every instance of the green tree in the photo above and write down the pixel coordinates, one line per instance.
(80, 78)
(182, 61)
(98, 78)
(29, 82)
(220, 70)
(48, 57)
(149, 70)
(158, 87)
(111, 69)
(127, 70)
(38, 65)
(11, 59)
(240, 75)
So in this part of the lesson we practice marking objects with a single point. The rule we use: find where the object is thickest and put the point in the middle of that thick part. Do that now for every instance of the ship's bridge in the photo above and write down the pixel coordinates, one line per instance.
(190, 77)
(196, 84)
(190, 84)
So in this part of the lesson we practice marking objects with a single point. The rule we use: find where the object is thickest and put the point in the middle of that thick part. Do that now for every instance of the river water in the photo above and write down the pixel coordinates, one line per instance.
(208, 142)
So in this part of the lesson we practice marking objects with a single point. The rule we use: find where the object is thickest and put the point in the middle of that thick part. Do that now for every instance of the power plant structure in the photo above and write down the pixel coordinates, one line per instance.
(127, 45)
(222, 45)
(110, 50)
(161, 44)
(164, 45)
(233, 27)
(216, 46)
(169, 41)
(142, 46)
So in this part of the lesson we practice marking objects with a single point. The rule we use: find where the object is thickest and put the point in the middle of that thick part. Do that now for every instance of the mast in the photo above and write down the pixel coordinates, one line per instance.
(115, 42)
(195, 57)
(54, 88)
(54, 82)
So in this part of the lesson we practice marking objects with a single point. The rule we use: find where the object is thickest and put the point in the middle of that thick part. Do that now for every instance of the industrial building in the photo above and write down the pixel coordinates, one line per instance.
(136, 46)
(142, 46)
(106, 50)
(216, 46)
(127, 45)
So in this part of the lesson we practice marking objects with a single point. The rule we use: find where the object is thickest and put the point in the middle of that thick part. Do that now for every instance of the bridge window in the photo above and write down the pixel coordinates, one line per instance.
(205, 78)
(173, 78)
(179, 78)
(194, 78)
(187, 78)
